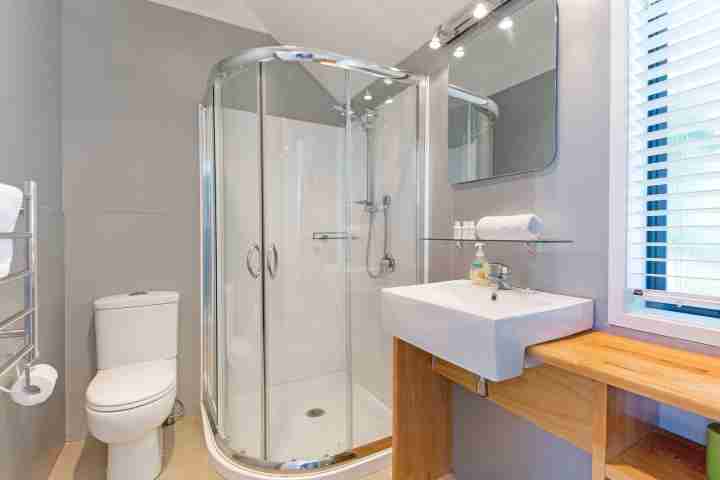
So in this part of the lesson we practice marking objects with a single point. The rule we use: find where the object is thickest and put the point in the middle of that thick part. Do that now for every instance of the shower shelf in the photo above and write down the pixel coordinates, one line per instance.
(541, 241)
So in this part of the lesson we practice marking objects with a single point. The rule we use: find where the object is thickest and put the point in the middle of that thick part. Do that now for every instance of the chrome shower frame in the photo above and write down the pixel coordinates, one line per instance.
(212, 308)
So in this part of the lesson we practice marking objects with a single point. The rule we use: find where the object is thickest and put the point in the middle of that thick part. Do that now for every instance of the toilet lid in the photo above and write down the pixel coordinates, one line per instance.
(130, 386)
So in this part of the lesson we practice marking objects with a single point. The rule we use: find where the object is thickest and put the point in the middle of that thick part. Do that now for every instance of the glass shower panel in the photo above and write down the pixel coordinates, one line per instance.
(384, 175)
(209, 323)
(306, 243)
(240, 265)
(471, 132)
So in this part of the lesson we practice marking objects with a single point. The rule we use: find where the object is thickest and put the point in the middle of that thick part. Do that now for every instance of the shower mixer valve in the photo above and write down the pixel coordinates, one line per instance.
(387, 261)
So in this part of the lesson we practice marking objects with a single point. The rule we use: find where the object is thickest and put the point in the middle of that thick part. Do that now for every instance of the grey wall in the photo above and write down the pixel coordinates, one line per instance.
(32, 437)
(572, 198)
(491, 443)
(133, 74)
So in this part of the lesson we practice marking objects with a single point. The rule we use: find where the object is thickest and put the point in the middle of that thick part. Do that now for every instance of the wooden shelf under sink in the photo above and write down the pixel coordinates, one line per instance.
(598, 391)
(659, 456)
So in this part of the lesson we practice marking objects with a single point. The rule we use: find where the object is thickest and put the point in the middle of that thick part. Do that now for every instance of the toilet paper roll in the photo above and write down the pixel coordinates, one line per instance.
(43, 376)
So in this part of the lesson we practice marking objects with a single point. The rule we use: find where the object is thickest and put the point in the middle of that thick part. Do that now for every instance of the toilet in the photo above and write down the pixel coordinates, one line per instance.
(134, 390)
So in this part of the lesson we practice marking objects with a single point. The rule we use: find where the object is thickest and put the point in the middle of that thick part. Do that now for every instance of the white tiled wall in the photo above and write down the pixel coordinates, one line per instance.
(306, 301)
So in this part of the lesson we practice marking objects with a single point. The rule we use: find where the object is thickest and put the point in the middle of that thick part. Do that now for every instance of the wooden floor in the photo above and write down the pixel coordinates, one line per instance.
(187, 458)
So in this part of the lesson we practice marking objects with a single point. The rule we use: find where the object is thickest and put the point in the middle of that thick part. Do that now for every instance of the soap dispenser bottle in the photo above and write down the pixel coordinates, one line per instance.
(479, 268)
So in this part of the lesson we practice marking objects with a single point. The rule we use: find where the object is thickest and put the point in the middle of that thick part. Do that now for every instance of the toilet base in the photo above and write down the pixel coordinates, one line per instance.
(137, 460)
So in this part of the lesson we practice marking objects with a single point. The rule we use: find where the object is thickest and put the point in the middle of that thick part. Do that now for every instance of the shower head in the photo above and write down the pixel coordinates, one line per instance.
(365, 117)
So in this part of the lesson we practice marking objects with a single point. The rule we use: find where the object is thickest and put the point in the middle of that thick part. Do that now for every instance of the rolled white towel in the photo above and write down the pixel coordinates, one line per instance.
(511, 227)
(11, 201)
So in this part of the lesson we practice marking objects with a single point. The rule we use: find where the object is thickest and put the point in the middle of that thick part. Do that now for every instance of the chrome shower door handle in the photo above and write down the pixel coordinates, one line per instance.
(254, 271)
(272, 261)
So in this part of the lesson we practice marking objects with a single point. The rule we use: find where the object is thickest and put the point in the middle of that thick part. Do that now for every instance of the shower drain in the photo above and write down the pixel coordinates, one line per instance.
(315, 412)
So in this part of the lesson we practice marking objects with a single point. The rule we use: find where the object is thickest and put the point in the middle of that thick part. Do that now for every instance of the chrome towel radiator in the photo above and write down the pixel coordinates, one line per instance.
(29, 313)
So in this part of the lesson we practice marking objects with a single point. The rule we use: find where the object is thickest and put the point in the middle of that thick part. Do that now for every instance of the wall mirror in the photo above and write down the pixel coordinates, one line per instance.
(502, 94)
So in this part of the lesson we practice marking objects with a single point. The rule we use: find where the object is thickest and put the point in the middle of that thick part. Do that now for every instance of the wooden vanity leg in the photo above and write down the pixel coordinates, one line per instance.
(599, 430)
(422, 421)
(620, 420)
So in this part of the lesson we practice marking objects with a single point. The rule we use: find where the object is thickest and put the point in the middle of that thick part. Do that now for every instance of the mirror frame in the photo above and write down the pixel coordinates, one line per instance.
(556, 137)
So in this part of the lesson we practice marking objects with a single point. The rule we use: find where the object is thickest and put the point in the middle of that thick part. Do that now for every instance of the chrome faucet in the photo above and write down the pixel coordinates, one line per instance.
(500, 276)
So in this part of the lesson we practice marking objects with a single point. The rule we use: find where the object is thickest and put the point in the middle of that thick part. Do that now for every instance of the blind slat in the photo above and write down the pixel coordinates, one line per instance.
(700, 129)
(686, 286)
(680, 298)
(680, 44)
(678, 28)
(680, 244)
(677, 8)
(712, 142)
(676, 196)
(694, 97)
(645, 212)
(713, 261)
(706, 177)
(684, 82)
(680, 66)
(688, 115)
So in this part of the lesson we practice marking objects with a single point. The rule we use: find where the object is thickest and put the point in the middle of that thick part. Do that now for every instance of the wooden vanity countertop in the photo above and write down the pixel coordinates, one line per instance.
(689, 381)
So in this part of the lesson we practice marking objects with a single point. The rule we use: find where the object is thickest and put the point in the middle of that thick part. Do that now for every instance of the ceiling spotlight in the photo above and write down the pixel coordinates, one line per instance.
(388, 81)
(506, 23)
(459, 52)
(480, 11)
(389, 101)
(435, 42)
(368, 96)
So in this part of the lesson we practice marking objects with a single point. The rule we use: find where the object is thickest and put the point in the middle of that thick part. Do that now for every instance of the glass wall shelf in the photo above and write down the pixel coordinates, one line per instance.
(541, 241)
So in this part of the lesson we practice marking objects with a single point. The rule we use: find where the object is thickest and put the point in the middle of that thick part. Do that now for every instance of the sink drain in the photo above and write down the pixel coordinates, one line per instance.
(315, 412)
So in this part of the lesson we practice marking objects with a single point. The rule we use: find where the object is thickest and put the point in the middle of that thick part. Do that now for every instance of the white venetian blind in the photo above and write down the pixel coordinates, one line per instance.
(674, 153)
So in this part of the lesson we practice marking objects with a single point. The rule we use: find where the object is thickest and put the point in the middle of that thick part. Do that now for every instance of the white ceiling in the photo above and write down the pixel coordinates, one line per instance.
(229, 11)
(380, 31)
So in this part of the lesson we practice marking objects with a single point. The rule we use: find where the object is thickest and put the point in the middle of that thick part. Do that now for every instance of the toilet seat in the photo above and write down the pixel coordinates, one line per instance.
(131, 386)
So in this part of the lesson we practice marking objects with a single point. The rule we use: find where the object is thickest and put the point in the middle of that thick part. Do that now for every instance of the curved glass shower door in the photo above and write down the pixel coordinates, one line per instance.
(306, 288)
(240, 264)
(310, 169)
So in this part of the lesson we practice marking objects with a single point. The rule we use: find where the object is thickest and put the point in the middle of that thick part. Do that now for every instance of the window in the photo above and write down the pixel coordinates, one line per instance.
(665, 167)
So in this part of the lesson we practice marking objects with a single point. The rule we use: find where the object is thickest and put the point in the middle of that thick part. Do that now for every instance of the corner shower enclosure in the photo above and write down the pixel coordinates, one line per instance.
(311, 169)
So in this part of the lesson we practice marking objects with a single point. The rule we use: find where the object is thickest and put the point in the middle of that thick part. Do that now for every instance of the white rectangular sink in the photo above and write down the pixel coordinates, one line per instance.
(461, 323)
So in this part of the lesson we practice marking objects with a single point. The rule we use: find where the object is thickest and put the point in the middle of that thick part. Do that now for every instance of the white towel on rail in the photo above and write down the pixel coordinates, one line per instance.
(11, 201)
(511, 227)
